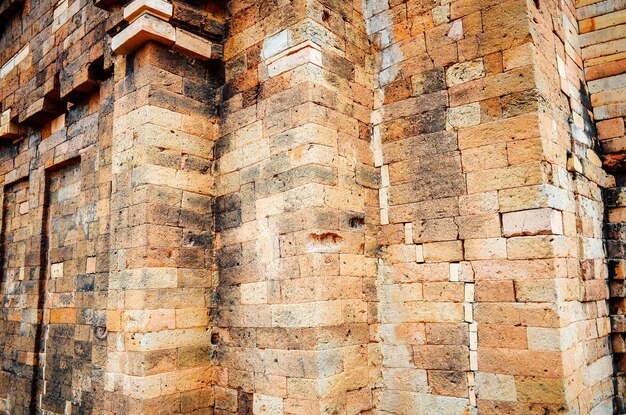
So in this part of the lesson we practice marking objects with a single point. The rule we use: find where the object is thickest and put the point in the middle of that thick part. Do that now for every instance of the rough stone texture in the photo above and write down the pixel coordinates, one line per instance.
(602, 28)
(291, 207)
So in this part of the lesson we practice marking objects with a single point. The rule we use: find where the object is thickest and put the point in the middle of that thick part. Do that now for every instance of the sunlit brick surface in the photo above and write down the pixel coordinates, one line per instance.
(312, 207)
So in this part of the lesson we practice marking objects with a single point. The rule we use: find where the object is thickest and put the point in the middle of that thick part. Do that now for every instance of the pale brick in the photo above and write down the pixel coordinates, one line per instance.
(443, 251)
(532, 222)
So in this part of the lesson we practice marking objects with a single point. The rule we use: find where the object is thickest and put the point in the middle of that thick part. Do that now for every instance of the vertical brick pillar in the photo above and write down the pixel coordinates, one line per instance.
(491, 287)
(601, 34)
(161, 234)
(294, 182)
(615, 234)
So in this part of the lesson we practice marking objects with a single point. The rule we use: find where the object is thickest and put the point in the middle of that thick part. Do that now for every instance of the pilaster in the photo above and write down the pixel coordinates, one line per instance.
(162, 226)
(295, 185)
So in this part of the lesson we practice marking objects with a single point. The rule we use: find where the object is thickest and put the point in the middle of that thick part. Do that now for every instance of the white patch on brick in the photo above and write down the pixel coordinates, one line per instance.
(301, 54)
(408, 233)
(267, 405)
(14, 61)
(464, 116)
(456, 31)
(276, 44)
(56, 270)
(419, 253)
(491, 386)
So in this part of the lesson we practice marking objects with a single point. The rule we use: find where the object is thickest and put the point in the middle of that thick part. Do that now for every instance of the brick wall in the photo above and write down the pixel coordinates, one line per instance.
(489, 238)
(601, 28)
(55, 278)
(572, 120)
(161, 267)
(296, 190)
(337, 207)
(14, 285)
(602, 37)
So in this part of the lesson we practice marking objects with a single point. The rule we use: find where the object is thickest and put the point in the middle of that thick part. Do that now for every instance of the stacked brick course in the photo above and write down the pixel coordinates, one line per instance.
(492, 219)
(601, 27)
(311, 207)
(296, 186)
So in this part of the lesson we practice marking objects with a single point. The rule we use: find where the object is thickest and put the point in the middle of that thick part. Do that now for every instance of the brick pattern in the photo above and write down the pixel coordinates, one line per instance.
(161, 274)
(589, 380)
(383, 207)
(481, 240)
(601, 26)
(61, 321)
(17, 352)
(296, 187)
(68, 312)
(61, 59)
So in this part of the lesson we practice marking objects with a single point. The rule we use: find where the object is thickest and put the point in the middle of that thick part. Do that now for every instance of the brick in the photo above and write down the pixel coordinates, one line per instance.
(56, 270)
(493, 386)
(503, 178)
(517, 362)
(489, 248)
(544, 390)
(503, 336)
(63, 316)
(442, 291)
(443, 251)
(495, 291)
(143, 29)
(464, 72)
(264, 404)
(193, 45)
(441, 357)
(532, 222)
(448, 383)
(610, 128)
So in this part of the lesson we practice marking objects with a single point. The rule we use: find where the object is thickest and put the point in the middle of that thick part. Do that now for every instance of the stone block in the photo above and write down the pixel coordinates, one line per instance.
(535, 247)
(489, 248)
(532, 222)
(612, 128)
(275, 44)
(56, 270)
(451, 251)
(495, 291)
(157, 8)
(497, 387)
(465, 72)
(144, 29)
(298, 55)
(193, 45)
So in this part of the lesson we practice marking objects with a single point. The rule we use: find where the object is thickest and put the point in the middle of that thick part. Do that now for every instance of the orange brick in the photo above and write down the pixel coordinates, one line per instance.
(63, 316)
(612, 128)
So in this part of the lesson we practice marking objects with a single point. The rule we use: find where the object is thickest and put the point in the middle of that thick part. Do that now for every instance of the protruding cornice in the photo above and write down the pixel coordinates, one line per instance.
(142, 21)
(9, 129)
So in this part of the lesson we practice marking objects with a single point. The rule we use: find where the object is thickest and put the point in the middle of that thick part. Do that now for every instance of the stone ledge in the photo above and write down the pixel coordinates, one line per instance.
(8, 129)
(158, 8)
(192, 45)
(300, 54)
(148, 27)
(42, 111)
(144, 29)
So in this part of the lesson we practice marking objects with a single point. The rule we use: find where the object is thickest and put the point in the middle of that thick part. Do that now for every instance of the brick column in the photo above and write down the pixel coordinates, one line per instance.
(161, 233)
(492, 290)
(602, 47)
(162, 226)
(295, 183)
